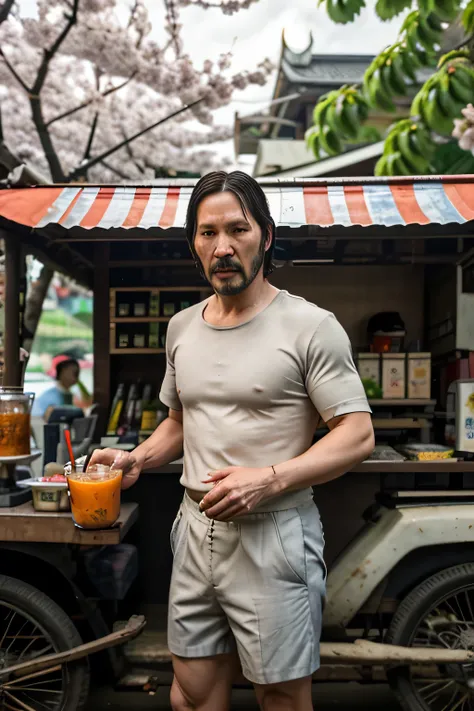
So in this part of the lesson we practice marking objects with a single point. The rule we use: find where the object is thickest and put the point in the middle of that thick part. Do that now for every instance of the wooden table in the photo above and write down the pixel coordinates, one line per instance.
(23, 524)
(392, 467)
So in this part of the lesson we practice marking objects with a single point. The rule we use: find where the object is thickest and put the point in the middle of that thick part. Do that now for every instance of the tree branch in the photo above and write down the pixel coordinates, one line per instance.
(130, 153)
(50, 154)
(467, 40)
(80, 170)
(91, 101)
(48, 54)
(5, 10)
(172, 17)
(121, 175)
(14, 73)
(34, 304)
(87, 152)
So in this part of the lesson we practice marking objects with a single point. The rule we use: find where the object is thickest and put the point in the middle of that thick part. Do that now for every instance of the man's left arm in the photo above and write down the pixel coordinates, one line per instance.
(239, 490)
(349, 441)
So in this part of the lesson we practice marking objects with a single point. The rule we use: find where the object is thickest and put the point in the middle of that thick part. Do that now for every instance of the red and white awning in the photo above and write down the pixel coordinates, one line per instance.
(343, 203)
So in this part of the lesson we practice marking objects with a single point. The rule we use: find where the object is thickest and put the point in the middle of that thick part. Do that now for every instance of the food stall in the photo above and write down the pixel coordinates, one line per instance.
(361, 248)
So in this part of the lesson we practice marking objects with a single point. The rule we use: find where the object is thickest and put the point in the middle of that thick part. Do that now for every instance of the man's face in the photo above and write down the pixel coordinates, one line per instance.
(228, 244)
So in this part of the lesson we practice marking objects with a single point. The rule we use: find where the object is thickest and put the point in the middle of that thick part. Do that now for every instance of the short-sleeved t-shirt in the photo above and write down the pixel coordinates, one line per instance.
(253, 394)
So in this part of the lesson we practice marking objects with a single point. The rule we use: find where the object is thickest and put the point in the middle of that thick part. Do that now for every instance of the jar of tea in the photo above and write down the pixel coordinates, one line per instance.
(15, 409)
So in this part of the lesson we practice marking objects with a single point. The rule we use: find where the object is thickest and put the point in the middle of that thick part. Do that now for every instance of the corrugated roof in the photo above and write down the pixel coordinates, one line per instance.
(331, 202)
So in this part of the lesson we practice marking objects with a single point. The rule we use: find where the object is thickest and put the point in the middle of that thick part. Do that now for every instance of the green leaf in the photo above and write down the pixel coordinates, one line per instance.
(449, 159)
(369, 134)
(388, 9)
(468, 18)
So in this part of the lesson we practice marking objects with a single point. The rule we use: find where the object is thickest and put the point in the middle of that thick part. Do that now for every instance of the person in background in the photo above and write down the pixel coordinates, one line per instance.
(67, 375)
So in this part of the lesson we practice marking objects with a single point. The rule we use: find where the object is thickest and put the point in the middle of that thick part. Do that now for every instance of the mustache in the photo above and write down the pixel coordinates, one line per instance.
(226, 263)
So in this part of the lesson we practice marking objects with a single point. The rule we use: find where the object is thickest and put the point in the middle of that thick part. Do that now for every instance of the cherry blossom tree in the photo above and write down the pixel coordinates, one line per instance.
(88, 94)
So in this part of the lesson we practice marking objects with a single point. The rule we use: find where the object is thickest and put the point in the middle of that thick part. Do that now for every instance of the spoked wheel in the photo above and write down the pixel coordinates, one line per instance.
(439, 613)
(32, 626)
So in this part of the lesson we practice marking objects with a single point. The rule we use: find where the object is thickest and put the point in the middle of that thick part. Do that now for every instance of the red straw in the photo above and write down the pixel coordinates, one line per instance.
(67, 436)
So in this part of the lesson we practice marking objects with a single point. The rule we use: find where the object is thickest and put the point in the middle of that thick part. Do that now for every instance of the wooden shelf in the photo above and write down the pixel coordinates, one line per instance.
(400, 423)
(136, 351)
(151, 263)
(401, 403)
(392, 467)
(157, 289)
(140, 319)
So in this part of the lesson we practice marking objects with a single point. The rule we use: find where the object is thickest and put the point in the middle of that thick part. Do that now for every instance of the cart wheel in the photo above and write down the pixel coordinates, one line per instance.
(33, 625)
(438, 613)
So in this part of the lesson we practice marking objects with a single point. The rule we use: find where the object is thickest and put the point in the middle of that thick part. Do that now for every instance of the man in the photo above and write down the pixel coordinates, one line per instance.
(249, 373)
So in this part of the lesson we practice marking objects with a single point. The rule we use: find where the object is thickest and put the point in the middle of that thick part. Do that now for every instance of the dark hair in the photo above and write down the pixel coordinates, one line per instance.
(64, 364)
(251, 198)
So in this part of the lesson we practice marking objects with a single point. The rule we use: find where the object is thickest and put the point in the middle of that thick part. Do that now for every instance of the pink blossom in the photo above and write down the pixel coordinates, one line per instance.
(464, 129)
(110, 73)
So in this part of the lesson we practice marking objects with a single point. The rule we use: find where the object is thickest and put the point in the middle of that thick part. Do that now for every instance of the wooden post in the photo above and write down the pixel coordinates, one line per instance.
(101, 333)
(12, 365)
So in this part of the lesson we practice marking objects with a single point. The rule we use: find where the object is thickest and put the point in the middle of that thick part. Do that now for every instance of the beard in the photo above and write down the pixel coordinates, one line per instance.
(240, 280)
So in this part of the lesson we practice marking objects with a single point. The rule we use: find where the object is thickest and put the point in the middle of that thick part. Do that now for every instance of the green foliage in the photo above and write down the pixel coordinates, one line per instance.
(411, 143)
(338, 118)
(446, 93)
(343, 11)
(468, 18)
(408, 150)
(388, 9)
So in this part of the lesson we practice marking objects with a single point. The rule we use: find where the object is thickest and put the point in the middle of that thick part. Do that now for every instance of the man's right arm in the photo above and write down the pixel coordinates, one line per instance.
(165, 445)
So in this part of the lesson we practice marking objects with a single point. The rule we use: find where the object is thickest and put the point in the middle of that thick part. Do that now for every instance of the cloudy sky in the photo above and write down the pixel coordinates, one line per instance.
(256, 33)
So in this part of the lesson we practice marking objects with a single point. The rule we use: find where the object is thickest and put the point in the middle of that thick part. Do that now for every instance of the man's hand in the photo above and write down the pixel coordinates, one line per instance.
(237, 491)
(128, 462)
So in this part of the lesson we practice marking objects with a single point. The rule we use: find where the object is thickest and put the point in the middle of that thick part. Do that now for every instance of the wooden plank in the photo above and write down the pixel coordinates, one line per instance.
(136, 351)
(400, 423)
(151, 648)
(159, 289)
(101, 334)
(131, 630)
(413, 467)
(117, 264)
(13, 255)
(430, 494)
(24, 524)
(140, 319)
(401, 403)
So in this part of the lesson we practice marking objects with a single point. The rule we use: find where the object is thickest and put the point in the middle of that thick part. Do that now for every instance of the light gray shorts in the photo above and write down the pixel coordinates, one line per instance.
(256, 583)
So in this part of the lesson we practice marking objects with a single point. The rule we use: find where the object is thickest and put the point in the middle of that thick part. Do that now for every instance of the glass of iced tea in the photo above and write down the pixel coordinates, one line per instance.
(95, 496)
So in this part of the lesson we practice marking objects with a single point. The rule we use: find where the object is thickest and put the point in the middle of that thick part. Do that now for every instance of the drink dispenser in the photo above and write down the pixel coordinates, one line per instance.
(15, 414)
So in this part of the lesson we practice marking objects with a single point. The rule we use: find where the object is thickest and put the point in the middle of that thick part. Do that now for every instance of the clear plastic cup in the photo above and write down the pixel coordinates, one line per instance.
(95, 496)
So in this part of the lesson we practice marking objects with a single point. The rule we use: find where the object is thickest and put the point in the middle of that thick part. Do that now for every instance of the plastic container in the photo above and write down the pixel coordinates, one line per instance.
(47, 495)
(95, 496)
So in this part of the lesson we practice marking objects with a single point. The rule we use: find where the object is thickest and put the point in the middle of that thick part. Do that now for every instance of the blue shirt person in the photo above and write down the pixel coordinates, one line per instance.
(67, 375)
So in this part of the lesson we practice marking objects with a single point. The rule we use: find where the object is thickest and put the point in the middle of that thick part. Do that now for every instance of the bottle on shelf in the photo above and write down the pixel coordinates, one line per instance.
(128, 419)
(116, 410)
(149, 409)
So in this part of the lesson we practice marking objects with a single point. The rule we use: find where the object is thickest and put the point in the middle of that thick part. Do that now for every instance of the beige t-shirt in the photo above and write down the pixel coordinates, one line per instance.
(252, 394)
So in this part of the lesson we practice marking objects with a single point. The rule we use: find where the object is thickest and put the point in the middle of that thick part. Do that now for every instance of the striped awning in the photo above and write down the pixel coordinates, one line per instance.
(336, 202)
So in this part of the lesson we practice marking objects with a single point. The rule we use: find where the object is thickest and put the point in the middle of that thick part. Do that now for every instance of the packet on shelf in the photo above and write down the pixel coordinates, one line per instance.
(95, 496)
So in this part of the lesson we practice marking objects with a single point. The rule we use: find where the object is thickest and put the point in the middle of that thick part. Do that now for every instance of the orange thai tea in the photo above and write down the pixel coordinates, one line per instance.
(14, 434)
(95, 496)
